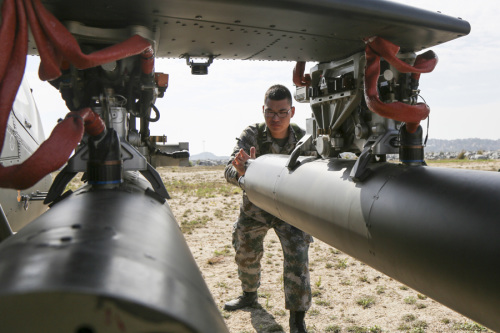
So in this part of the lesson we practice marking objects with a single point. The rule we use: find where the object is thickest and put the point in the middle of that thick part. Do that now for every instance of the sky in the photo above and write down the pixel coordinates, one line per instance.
(210, 111)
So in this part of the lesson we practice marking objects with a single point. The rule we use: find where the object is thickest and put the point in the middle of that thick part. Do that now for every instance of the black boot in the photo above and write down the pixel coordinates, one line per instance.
(297, 323)
(243, 301)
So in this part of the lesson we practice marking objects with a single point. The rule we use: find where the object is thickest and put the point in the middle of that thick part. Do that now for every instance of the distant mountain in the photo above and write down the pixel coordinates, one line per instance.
(207, 156)
(457, 145)
(433, 146)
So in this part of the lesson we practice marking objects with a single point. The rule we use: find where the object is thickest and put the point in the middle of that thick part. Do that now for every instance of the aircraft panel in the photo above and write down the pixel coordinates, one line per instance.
(316, 30)
(10, 151)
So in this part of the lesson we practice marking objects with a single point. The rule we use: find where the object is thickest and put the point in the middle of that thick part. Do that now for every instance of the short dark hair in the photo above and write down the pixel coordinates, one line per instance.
(278, 92)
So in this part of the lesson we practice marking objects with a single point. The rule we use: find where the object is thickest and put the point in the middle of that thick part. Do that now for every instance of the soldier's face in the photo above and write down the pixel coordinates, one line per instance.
(277, 115)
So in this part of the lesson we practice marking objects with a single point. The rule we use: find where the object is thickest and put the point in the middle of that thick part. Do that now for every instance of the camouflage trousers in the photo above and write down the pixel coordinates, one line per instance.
(248, 239)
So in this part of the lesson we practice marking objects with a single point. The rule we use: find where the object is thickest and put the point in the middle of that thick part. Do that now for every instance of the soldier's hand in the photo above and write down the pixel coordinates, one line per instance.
(241, 158)
(252, 153)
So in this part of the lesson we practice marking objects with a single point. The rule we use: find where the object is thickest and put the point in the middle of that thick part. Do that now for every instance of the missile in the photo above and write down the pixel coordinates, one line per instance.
(104, 260)
(435, 230)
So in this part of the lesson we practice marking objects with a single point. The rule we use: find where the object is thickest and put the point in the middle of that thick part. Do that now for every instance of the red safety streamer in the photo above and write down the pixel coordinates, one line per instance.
(15, 62)
(57, 48)
(56, 37)
(377, 47)
(67, 134)
(7, 34)
(299, 79)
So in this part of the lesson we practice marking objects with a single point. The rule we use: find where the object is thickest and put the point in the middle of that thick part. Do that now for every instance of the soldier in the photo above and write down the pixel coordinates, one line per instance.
(275, 136)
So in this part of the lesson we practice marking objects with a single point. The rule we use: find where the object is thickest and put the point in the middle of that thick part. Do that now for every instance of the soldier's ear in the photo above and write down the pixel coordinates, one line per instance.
(292, 111)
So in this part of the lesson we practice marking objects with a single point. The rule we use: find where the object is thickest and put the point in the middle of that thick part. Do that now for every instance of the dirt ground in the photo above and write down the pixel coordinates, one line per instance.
(348, 296)
(487, 165)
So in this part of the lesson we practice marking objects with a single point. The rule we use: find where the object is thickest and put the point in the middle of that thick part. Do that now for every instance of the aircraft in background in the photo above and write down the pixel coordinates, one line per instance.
(24, 135)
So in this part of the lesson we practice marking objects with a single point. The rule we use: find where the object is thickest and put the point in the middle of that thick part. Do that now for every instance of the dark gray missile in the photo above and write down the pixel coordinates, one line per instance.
(436, 230)
(104, 261)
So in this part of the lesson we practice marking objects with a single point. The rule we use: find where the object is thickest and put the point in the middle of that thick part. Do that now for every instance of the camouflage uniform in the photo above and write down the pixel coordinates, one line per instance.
(253, 223)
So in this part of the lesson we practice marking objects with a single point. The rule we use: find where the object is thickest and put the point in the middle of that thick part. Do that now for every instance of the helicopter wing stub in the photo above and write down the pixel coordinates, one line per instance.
(289, 30)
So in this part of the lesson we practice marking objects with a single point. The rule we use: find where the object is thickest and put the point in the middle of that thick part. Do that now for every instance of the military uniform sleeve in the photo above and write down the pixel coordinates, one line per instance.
(247, 139)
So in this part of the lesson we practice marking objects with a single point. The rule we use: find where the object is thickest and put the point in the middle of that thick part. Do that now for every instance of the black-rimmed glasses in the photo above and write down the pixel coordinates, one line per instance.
(280, 114)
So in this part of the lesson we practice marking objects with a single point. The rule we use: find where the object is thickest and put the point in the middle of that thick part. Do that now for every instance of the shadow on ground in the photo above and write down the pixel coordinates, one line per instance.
(263, 321)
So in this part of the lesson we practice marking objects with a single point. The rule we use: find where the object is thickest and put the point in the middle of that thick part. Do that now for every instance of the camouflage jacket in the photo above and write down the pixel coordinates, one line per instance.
(265, 145)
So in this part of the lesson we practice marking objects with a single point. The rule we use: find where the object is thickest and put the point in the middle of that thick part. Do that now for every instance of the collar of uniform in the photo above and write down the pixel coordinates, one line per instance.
(266, 134)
